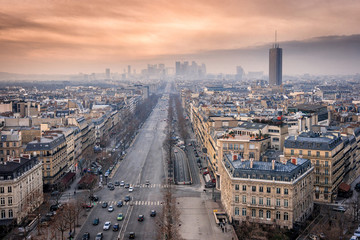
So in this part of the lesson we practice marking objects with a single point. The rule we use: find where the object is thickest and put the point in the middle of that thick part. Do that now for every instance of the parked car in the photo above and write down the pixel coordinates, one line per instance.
(141, 218)
(94, 198)
(131, 189)
(339, 209)
(120, 203)
(96, 221)
(107, 225)
(127, 185)
(112, 188)
(117, 183)
(120, 217)
(86, 236)
(357, 232)
(354, 238)
(131, 235)
(110, 209)
(152, 213)
(147, 182)
(116, 227)
(104, 205)
(99, 236)
(122, 183)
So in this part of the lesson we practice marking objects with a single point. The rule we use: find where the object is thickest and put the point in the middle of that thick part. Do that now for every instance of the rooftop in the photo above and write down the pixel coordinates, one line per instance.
(315, 141)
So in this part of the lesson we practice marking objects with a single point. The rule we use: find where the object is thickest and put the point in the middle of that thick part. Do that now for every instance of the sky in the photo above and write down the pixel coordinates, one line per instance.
(67, 36)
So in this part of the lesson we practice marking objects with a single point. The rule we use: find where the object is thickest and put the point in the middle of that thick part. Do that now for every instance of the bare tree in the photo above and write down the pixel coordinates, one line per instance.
(60, 223)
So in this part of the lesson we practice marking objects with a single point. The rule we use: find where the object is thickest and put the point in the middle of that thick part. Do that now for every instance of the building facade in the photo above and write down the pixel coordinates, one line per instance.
(275, 65)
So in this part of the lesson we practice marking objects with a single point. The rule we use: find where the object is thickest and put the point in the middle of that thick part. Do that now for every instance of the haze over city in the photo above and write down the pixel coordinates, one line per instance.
(68, 37)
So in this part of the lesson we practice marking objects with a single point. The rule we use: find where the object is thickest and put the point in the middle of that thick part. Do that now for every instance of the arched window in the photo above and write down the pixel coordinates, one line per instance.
(286, 216)
(277, 215)
(268, 214)
(237, 211)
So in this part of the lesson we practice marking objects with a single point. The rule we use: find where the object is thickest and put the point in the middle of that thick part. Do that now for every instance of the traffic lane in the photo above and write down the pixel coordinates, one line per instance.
(193, 164)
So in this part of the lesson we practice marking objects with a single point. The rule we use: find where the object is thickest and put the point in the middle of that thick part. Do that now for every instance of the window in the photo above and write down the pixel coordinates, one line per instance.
(292, 152)
(9, 189)
(326, 171)
(268, 214)
(251, 146)
(251, 155)
(268, 189)
(230, 146)
(253, 188)
(309, 153)
(275, 139)
(286, 203)
(10, 213)
(300, 152)
(261, 189)
(253, 212)
(277, 202)
(317, 180)
(278, 190)
(253, 200)
(277, 215)
(244, 187)
(244, 211)
(241, 146)
(2, 190)
(10, 200)
(317, 153)
(286, 191)
(236, 146)
(236, 186)
(286, 216)
(261, 201)
(268, 201)
(3, 214)
(2, 201)
(326, 154)
(236, 198)
(326, 163)
(261, 213)
(326, 180)
(237, 211)
(244, 198)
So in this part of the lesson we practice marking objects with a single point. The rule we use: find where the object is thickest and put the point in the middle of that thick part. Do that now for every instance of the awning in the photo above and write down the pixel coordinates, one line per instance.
(344, 187)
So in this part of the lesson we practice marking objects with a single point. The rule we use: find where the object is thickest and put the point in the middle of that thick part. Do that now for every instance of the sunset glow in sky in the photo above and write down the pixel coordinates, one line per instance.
(69, 36)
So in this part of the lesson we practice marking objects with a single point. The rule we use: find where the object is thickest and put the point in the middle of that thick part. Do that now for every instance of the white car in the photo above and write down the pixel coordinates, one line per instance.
(111, 208)
(357, 232)
(354, 238)
(131, 189)
(122, 183)
(107, 225)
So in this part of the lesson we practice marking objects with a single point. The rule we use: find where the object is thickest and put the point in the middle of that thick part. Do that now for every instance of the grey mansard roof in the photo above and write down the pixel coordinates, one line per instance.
(45, 143)
(314, 141)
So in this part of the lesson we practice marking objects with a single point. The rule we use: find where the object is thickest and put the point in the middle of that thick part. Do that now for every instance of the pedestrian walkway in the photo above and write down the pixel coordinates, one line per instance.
(146, 186)
(136, 203)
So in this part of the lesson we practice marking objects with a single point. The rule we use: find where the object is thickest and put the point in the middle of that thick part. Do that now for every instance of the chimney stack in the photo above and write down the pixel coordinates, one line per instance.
(273, 164)
(294, 160)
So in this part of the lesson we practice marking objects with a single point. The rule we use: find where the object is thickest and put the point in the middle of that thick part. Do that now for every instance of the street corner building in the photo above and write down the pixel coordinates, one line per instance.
(267, 193)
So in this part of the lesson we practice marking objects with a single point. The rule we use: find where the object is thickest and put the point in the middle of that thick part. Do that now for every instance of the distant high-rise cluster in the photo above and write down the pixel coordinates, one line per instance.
(275, 65)
(239, 73)
(193, 70)
(107, 73)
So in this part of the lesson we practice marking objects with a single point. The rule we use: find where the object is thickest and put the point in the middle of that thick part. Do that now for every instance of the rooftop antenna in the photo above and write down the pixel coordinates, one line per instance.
(275, 45)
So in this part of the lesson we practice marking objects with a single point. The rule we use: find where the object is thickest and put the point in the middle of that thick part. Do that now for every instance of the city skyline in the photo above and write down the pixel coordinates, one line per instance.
(70, 37)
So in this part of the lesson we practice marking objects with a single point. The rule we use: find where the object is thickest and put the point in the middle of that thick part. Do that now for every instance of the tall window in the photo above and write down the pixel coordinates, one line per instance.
(244, 198)
(2, 201)
(268, 214)
(326, 163)
(230, 146)
(9, 189)
(278, 190)
(253, 212)
(326, 154)
(317, 153)
(268, 189)
(244, 187)
(326, 171)
(3, 214)
(309, 153)
(237, 211)
(10, 213)
(268, 201)
(261, 201)
(236, 186)
(277, 202)
(292, 152)
(2, 190)
(286, 203)
(261, 213)
(326, 180)
(253, 188)
(277, 215)
(317, 179)
(253, 200)
(236, 198)
(286, 191)
(244, 211)
(10, 200)
(286, 216)
(300, 152)
(261, 189)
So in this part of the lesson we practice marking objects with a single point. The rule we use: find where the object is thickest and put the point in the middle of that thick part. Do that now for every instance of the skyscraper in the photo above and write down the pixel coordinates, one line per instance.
(275, 65)
(107, 73)
(239, 73)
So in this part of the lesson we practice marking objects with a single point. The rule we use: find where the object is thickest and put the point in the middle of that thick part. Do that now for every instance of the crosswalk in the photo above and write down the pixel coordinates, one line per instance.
(137, 203)
(147, 186)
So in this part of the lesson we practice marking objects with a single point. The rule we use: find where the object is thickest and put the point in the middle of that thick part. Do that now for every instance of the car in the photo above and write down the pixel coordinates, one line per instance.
(55, 207)
(112, 188)
(313, 236)
(87, 205)
(94, 198)
(127, 198)
(357, 232)
(107, 225)
(152, 213)
(189, 144)
(50, 214)
(96, 221)
(110, 184)
(339, 209)
(120, 203)
(131, 189)
(131, 235)
(354, 238)
(104, 205)
(141, 218)
(117, 183)
(127, 185)
(122, 183)
(99, 236)
(116, 227)
(147, 182)
(120, 217)
(86, 236)
(110, 209)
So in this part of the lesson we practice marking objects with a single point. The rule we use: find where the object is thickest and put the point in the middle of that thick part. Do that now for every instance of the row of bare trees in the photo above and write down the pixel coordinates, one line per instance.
(181, 119)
